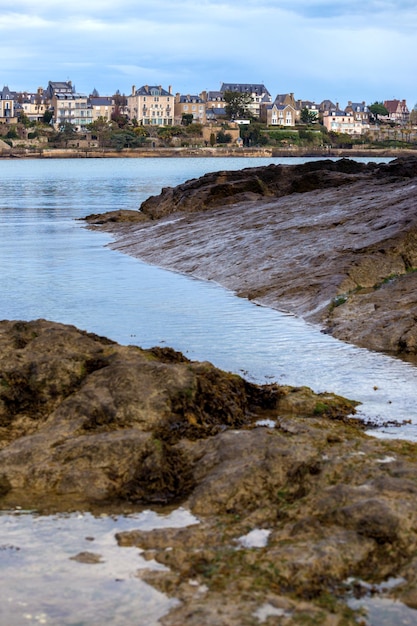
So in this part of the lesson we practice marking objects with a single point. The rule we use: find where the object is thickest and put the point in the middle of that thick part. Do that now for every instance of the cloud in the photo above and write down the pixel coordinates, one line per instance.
(356, 50)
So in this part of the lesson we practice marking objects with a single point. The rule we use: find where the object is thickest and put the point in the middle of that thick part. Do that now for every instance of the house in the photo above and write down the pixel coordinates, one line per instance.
(7, 106)
(282, 112)
(307, 105)
(215, 105)
(285, 98)
(151, 105)
(397, 111)
(360, 111)
(342, 122)
(68, 106)
(189, 105)
(33, 105)
(327, 106)
(278, 114)
(101, 106)
(258, 92)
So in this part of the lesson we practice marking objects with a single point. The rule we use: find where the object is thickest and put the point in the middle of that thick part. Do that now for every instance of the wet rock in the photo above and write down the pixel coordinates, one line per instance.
(87, 422)
(90, 558)
(83, 417)
(333, 242)
(220, 188)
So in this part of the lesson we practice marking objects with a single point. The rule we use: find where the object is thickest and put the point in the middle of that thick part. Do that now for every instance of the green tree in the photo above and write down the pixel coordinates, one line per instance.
(187, 119)
(237, 105)
(377, 109)
(102, 129)
(120, 139)
(252, 135)
(223, 137)
(308, 117)
(67, 132)
(23, 119)
(47, 117)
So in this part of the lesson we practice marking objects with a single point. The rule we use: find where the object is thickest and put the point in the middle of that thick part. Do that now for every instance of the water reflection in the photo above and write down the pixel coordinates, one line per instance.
(42, 583)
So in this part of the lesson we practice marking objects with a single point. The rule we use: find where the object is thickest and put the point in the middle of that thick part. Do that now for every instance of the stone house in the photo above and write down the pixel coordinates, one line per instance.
(278, 114)
(151, 105)
(215, 105)
(189, 105)
(397, 111)
(360, 111)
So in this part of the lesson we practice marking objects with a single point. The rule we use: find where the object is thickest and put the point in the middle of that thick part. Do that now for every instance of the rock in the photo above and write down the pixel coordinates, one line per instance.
(90, 558)
(221, 188)
(84, 418)
(333, 242)
(86, 423)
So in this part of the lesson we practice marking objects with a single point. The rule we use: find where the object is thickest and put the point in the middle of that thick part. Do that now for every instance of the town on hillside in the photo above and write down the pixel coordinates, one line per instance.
(238, 114)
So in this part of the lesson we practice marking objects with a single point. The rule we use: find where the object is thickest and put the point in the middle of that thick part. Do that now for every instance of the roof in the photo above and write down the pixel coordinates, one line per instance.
(307, 104)
(340, 113)
(215, 112)
(358, 106)
(215, 96)
(279, 107)
(190, 99)
(327, 105)
(395, 106)
(101, 101)
(258, 89)
(6, 94)
(152, 90)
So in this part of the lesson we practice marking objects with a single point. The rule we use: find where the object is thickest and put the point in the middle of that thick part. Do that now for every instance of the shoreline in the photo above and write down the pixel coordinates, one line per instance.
(100, 153)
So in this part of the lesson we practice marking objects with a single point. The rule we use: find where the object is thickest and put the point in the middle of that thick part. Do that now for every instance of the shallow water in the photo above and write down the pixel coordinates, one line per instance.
(41, 583)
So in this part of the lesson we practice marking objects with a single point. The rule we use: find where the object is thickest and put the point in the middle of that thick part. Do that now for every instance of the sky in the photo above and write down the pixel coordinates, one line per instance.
(358, 50)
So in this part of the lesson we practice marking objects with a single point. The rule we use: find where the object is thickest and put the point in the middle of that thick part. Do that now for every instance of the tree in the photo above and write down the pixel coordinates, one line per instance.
(377, 109)
(252, 135)
(308, 117)
(118, 117)
(187, 119)
(67, 132)
(237, 104)
(223, 137)
(126, 139)
(413, 115)
(24, 120)
(47, 116)
(102, 128)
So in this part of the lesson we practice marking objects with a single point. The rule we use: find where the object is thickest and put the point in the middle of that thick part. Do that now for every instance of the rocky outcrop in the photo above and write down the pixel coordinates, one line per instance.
(84, 418)
(297, 507)
(333, 242)
(229, 187)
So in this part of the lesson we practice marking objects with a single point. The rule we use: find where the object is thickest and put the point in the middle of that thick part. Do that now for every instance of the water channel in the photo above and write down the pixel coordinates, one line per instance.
(53, 267)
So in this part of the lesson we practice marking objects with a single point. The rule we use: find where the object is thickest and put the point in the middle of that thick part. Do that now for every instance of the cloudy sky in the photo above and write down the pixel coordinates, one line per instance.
(342, 50)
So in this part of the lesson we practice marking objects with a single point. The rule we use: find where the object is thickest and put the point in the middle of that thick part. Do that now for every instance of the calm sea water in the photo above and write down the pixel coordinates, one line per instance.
(53, 267)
